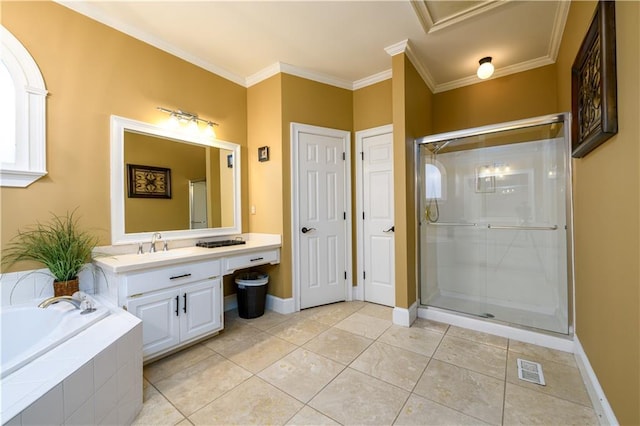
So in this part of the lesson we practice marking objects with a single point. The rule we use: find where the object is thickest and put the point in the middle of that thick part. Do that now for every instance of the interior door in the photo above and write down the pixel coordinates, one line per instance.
(378, 227)
(322, 215)
(198, 204)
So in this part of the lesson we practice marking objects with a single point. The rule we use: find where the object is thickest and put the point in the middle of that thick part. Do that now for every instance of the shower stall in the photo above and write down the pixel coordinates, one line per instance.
(494, 211)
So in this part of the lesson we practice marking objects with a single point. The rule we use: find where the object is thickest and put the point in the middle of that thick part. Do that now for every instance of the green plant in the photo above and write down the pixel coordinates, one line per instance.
(58, 244)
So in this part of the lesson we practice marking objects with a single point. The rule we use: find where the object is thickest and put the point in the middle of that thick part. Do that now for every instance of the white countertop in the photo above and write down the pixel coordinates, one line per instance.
(126, 262)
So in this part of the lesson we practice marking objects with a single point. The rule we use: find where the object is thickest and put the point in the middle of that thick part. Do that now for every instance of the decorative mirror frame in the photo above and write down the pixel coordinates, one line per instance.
(118, 235)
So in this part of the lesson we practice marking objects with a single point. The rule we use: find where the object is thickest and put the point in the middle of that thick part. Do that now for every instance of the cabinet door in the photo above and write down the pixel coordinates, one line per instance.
(200, 309)
(159, 320)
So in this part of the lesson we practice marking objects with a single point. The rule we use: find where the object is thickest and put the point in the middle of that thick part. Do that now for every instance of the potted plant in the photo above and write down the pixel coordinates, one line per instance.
(59, 245)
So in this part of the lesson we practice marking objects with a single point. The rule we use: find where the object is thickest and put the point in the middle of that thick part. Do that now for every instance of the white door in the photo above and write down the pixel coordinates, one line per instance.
(320, 214)
(160, 314)
(198, 204)
(200, 309)
(377, 215)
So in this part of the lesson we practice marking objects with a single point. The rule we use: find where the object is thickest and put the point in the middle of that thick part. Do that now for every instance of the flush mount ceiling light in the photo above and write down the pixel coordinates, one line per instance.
(485, 70)
(176, 117)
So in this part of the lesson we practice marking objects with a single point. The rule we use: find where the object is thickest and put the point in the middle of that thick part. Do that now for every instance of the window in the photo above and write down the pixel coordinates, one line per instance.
(435, 181)
(23, 118)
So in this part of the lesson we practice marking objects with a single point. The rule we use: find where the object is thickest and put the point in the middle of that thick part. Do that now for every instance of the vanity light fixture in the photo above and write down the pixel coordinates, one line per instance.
(178, 116)
(485, 70)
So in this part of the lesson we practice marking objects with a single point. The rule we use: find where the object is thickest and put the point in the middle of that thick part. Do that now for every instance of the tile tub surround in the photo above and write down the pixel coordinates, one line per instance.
(94, 377)
(347, 363)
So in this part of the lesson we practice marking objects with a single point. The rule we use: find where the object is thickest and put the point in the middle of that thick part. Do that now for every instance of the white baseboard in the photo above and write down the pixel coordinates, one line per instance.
(554, 342)
(273, 303)
(596, 393)
(405, 317)
(281, 306)
(358, 293)
(230, 302)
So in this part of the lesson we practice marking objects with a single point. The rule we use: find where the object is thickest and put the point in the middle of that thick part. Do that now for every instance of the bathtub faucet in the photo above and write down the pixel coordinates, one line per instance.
(75, 302)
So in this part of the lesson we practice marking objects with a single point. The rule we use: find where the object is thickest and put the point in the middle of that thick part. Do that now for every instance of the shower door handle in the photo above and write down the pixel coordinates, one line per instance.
(392, 229)
(524, 228)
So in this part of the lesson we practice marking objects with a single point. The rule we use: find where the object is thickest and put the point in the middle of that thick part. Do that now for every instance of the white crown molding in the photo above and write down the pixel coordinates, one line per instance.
(558, 29)
(263, 74)
(281, 67)
(429, 25)
(371, 80)
(85, 8)
(405, 47)
(500, 72)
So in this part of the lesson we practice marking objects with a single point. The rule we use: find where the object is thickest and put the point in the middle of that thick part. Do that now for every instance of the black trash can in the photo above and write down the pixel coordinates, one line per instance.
(252, 294)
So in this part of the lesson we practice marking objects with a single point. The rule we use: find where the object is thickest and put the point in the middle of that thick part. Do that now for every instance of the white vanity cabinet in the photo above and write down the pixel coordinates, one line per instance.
(177, 304)
(176, 316)
(178, 293)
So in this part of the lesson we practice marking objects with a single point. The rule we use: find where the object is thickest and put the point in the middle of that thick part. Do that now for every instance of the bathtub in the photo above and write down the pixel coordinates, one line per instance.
(29, 331)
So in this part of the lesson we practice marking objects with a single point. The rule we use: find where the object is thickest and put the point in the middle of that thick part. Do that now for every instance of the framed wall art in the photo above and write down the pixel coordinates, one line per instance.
(263, 153)
(594, 84)
(148, 181)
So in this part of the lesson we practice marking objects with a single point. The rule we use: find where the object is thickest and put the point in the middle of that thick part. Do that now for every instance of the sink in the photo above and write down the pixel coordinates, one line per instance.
(127, 262)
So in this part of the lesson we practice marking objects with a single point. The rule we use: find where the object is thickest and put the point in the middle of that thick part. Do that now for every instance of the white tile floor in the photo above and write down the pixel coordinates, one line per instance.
(348, 364)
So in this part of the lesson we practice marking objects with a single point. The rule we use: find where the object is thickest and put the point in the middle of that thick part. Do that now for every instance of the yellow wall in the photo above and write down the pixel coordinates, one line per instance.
(185, 162)
(606, 223)
(372, 106)
(412, 110)
(92, 71)
(264, 115)
(513, 97)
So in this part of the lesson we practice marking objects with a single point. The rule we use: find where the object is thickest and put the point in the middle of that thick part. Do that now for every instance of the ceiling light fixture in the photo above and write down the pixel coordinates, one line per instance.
(192, 120)
(485, 70)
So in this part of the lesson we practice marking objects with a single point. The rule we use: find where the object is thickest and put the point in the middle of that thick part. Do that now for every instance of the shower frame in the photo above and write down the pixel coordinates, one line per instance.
(446, 138)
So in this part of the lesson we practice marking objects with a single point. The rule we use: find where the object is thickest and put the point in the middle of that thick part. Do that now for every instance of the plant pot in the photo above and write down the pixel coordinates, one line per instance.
(65, 288)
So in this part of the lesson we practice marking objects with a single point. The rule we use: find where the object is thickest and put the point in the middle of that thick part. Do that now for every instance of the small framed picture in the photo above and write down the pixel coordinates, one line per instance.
(230, 161)
(148, 181)
(263, 153)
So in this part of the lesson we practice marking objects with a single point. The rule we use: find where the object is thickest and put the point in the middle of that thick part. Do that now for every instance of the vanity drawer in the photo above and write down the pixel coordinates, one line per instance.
(170, 276)
(241, 261)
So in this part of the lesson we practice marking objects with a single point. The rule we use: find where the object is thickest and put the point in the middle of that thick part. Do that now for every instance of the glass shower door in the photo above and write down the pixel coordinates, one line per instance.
(493, 226)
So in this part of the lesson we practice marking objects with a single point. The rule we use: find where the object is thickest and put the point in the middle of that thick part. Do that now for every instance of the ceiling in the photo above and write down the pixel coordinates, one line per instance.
(345, 43)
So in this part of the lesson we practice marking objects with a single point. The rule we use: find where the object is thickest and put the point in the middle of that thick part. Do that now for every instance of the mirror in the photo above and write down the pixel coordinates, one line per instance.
(173, 182)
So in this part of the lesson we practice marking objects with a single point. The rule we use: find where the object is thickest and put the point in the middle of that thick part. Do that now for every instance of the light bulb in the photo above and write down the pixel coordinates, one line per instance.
(173, 122)
(210, 131)
(192, 127)
(485, 70)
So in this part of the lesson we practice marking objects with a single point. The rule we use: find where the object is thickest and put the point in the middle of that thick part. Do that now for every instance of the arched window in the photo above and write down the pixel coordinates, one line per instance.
(435, 181)
(22, 115)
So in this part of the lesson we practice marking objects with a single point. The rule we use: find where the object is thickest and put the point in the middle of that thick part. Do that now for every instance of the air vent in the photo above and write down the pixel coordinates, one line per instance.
(530, 371)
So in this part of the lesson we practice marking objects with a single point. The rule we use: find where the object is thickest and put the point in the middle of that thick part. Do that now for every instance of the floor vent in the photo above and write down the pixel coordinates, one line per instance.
(530, 371)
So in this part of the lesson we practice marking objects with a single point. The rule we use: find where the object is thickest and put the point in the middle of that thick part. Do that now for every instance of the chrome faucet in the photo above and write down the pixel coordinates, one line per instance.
(156, 236)
(75, 302)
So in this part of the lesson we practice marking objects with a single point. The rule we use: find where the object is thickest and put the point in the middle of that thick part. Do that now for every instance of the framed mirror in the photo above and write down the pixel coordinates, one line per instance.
(170, 181)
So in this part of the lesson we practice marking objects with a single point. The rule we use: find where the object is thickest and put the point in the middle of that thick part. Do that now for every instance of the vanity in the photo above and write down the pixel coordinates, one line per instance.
(178, 293)
(171, 188)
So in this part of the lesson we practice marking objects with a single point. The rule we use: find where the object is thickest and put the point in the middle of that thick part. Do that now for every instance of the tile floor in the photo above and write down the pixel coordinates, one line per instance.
(348, 364)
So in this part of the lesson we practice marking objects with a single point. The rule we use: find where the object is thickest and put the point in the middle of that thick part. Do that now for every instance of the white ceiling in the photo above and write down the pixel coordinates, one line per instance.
(344, 43)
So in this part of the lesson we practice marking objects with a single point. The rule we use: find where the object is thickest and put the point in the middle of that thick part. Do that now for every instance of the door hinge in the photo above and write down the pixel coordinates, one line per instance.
(362, 155)
(362, 215)
(344, 215)
(345, 275)
(344, 156)
(364, 275)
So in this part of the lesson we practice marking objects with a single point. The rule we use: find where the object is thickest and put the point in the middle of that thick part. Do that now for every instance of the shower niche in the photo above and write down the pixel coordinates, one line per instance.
(495, 222)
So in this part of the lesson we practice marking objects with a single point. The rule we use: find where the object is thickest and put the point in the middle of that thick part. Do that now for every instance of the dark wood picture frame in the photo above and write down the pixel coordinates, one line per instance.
(263, 153)
(594, 84)
(148, 181)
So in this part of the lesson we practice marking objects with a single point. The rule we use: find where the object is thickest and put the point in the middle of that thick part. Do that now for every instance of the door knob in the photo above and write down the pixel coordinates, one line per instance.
(392, 229)
(305, 229)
